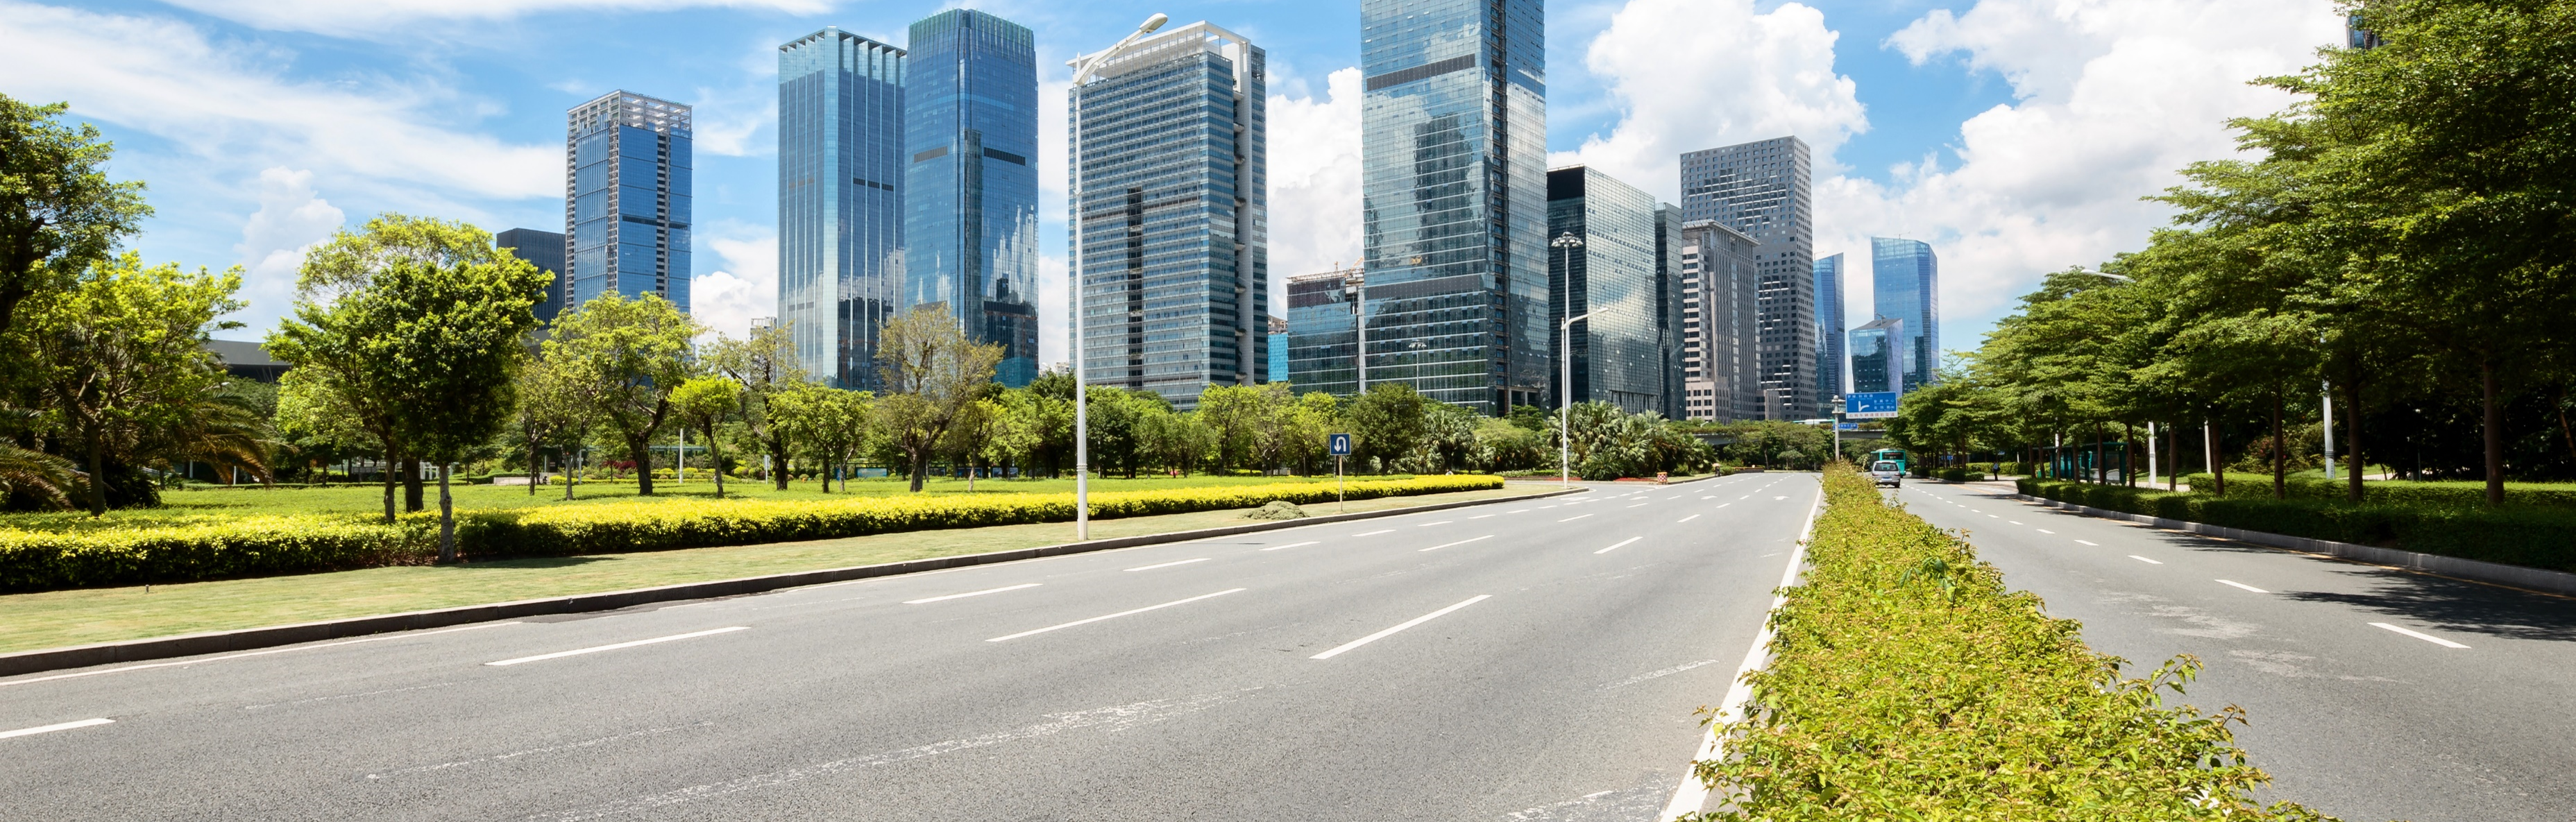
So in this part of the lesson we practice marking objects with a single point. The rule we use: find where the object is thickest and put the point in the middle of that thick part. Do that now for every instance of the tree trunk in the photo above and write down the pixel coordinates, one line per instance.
(2173, 457)
(778, 460)
(2495, 430)
(2128, 449)
(446, 518)
(2352, 435)
(715, 461)
(536, 469)
(97, 477)
(2217, 465)
(641, 448)
(569, 478)
(2280, 453)
(2563, 430)
(412, 498)
(920, 467)
(390, 462)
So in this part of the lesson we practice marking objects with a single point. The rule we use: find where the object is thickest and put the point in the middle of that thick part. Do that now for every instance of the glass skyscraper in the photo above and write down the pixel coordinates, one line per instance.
(1762, 189)
(1175, 270)
(970, 197)
(1617, 352)
(840, 200)
(1829, 328)
(1453, 146)
(1905, 283)
(1877, 357)
(545, 250)
(1720, 292)
(626, 204)
(1323, 333)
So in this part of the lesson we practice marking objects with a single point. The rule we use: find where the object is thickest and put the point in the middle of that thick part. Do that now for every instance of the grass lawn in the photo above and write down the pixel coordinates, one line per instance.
(78, 617)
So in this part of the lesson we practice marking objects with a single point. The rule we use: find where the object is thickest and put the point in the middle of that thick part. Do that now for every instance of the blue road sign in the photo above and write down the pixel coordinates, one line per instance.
(1874, 405)
(1341, 444)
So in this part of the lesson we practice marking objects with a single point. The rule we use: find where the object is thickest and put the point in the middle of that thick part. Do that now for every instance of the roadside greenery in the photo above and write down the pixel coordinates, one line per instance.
(2455, 524)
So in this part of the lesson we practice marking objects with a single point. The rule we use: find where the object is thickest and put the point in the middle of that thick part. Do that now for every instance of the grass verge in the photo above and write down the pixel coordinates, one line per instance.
(1907, 683)
(2533, 536)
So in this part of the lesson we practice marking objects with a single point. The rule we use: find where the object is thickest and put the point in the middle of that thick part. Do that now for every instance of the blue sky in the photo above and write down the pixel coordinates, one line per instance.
(2014, 134)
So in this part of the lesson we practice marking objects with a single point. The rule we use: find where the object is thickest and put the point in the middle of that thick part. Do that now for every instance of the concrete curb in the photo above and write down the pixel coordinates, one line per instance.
(138, 650)
(2512, 576)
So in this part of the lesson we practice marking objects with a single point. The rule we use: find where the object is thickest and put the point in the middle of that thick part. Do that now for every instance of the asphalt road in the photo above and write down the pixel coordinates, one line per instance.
(2374, 693)
(1532, 660)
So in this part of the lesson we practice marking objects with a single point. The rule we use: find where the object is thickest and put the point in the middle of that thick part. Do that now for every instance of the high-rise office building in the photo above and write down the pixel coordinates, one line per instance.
(1323, 332)
(1278, 350)
(545, 250)
(2357, 37)
(970, 191)
(1878, 359)
(1175, 269)
(1762, 189)
(1829, 328)
(1453, 147)
(1668, 306)
(626, 204)
(840, 200)
(1601, 262)
(1905, 283)
(1720, 287)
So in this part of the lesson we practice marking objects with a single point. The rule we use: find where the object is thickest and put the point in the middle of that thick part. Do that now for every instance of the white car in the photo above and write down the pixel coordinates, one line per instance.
(1888, 473)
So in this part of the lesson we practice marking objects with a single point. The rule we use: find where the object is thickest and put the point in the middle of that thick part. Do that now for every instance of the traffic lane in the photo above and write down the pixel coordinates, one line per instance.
(2351, 718)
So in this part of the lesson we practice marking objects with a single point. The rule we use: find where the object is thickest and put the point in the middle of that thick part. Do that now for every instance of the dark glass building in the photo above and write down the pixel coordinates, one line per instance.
(970, 188)
(1829, 328)
(1762, 190)
(545, 250)
(1905, 284)
(841, 165)
(626, 209)
(1612, 275)
(1323, 332)
(1877, 356)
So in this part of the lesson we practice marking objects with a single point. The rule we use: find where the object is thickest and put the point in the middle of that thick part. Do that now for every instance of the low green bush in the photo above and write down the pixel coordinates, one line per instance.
(2534, 536)
(2454, 494)
(1960, 475)
(1907, 683)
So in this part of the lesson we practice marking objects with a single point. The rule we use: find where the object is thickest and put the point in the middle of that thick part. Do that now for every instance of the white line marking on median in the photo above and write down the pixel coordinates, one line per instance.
(2082, 542)
(1573, 518)
(56, 727)
(972, 593)
(1685, 519)
(1290, 545)
(1113, 616)
(2422, 636)
(2242, 585)
(2144, 560)
(1167, 564)
(621, 645)
(1460, 542)
(1375, 533)
(1616, 547)
(376, 638)
(1400, 626)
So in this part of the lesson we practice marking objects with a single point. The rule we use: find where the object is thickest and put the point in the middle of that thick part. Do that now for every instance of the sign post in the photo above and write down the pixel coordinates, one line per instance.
(1341, 447)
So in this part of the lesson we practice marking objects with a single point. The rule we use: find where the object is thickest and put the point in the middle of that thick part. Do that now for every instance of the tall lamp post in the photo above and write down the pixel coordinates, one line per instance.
(1565, 244)
(1081, 400)
(1357, 287)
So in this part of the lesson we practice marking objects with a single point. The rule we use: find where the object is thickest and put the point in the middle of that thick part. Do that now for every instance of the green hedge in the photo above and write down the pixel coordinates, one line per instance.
(256, 546)
(2394, 492)
(1908, 684)
(1960, 475)
(2538, 537)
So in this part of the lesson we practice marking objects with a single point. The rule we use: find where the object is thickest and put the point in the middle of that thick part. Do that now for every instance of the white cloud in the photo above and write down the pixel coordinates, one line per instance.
(291, 220)
(1314, 182)
(381, 19)
(1055, 301)
(746, 285)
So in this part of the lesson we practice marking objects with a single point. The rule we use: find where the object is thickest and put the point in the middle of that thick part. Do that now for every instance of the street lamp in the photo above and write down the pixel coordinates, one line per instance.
(1565, 401)
(1357, 287)
(1082, 402)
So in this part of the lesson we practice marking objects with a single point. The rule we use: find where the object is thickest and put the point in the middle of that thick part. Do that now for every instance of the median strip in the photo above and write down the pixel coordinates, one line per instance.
(1399, 627)
(618, 646)
(1113, 616)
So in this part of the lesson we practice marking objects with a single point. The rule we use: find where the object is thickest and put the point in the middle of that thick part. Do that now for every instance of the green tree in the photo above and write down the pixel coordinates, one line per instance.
(458, 337)
(121, 359)
(831, 424)
(766, 365)
(623, 358)
(59, 213)
(931, 372)
(1388, 423)
(550, 416)
(704, 403)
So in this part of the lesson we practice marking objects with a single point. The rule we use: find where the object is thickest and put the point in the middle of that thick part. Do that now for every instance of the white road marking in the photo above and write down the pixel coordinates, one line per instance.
(1779, 497)
(2087, 543)
(1375, 533)
(1616, 547)
(1113, 616)
(1705, 499)
(1429, 524)
(1657, 673)
(1290, 545)
(1167, 564)
(376, 638)
(1743, 498)
(1685, 519)
(2013, 521)
(1573, 518)
(2046, 531)
(1460, 542)
(2242, 585)
(1480, 516)
(2422, 636)
(2144, 560)
(972, 593)
(63, 726)
(1991, 516)
(1724, 504)
(1522, 511)
(1638, 505)
(621, 645)
(1400, 626)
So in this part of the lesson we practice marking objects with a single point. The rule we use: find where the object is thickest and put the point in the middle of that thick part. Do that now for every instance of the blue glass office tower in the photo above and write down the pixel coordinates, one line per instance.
(1323, 332)
(1905, 283)
(1762, 189)
(970, 198)
(1175, 254)
(1877, 356)
(545, 250)
(840, 200)
(1614, 276)
(1453, 147)
(1829, 328)
(626, 204)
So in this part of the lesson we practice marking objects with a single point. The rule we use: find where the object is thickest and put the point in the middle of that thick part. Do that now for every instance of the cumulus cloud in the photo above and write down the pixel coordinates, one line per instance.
(291, 220)
(380, 19)
(1314, 182)
(746, 286)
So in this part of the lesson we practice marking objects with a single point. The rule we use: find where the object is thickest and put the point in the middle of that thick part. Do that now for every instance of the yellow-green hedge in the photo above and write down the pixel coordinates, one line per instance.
(254, 546)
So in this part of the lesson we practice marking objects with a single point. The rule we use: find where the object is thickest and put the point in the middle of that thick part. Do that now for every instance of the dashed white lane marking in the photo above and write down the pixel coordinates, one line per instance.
(1460, 542)
(1375, 533)
(1724, 504)
(2013, 521)
(1991, 516)
(376, 638)
(1521, 511)
(2144, 560)
(977, 593)
(1743, 498)
(1658, 673)
(1779, 497)
(1113, 616)
(1290, 545)
(2422, 636)
(1400, 626)
(1480, 516)
(1638, 505)
(1573, 518)
(1617, 547)
(2082, 542)
(619, 646)
(1429, 524)
(1685, 519)
(2046, 531)
(2242, 585)
(1168, 564)
(60, 726)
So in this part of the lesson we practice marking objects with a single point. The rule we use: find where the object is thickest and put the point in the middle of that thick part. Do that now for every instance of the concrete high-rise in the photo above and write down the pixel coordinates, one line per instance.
(1175, 270)
(840, 200)
(1829, 328)
(626, 203)
(970, 188)
(1453, 152)
(1602, 261)
(1762, 190)
(545, 250)
(1878, 361)
(1720, 287)
(1905, 283)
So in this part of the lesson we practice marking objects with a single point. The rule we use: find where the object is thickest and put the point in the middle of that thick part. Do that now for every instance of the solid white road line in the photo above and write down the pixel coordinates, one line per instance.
(1113, 616)
(1375, 533)
(972, 593)
(1573, 518)
(1400, 626)
(1429, 524)
(1692, 793)
(1460, 542)
(2422, 636)
(1167, 564)
(599, 648)
(56, 727)
(2088, 543)
(1685, 519)
(1290, 545)
(1616, 547)
(2242, 585)
(2144, 560)
(376, 638)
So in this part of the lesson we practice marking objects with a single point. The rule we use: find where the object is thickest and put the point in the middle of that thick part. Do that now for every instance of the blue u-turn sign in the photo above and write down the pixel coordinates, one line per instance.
(1341, 444)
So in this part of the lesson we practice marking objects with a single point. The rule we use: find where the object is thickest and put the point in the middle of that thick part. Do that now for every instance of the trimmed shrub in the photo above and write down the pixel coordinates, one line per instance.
(1908, 683)
(2534, 536)
(2451, 494)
